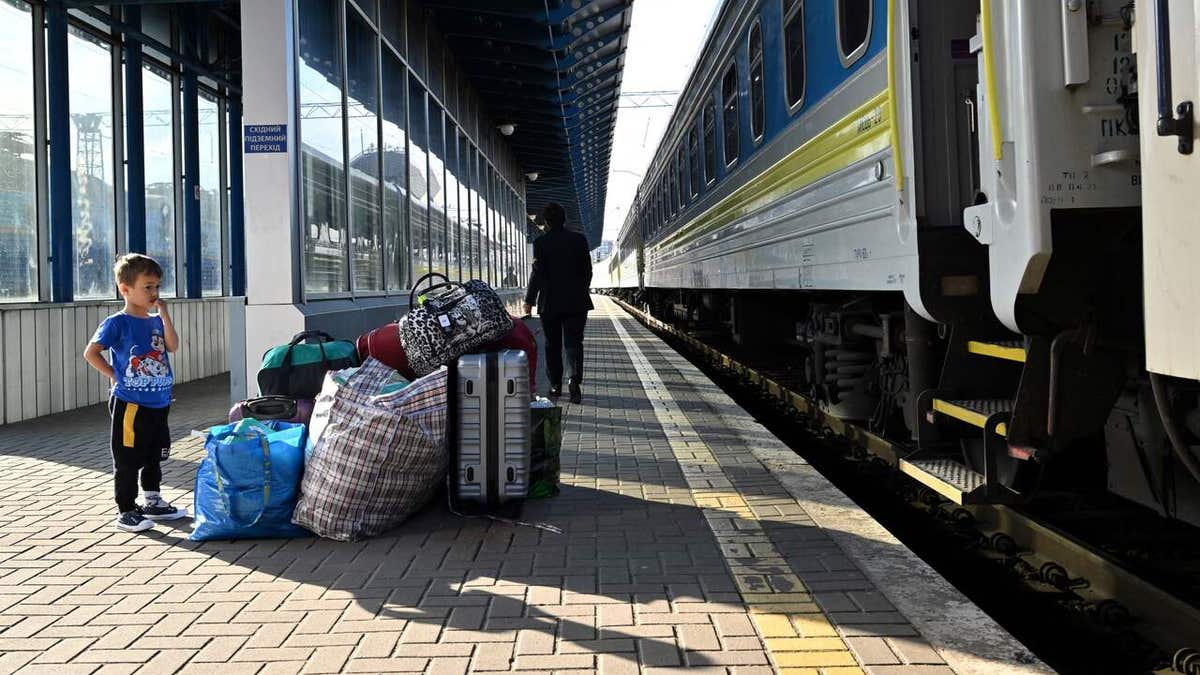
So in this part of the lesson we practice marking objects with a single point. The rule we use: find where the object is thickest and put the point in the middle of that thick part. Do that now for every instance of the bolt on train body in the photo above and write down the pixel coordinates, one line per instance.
(932, 212)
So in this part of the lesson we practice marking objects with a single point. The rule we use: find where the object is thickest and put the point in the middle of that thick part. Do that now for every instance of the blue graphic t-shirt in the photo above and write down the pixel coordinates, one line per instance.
(139, 358)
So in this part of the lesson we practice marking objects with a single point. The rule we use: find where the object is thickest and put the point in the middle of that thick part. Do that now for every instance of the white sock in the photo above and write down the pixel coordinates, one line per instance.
(151, 496)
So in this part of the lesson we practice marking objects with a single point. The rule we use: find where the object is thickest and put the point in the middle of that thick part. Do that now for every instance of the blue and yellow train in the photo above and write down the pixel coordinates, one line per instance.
(932, 210)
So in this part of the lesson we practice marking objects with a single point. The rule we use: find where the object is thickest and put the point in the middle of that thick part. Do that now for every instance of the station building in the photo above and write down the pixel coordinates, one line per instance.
(293, 164)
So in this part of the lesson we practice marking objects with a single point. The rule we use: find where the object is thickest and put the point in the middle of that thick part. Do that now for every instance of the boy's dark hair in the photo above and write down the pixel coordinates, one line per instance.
(554, 215)
(130, 265)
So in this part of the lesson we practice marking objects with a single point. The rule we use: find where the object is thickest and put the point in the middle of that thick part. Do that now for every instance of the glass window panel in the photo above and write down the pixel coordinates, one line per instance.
(476, 217)
(395, 172)
(436, 66)
(159, 138)
(321, 149)
(485, 225)
(18, 172)
(681, 173)
(693, 160)
(793, 45)
(391, 22)
(371, 7)
(92, 183)
(418, 179)
(437, 191)
(710, 140)
(854, 25)
(730, 113)
(416, 39)
(756, 83)
(209, 180)
(453, 240)
(362, 100)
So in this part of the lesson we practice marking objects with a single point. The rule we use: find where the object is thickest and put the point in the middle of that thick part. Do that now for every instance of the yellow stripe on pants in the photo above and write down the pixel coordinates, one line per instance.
(127, 424)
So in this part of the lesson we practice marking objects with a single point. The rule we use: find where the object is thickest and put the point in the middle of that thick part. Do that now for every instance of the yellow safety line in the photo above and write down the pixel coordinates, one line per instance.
(989, 76)
(996, 351)
(127, 436)
(971, 417)
(893, 109)
(932, 482)
(798, 635)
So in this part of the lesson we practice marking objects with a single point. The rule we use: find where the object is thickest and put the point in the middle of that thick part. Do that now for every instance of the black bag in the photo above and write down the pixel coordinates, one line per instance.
(266, 408)
(298, 369)
(449, 320)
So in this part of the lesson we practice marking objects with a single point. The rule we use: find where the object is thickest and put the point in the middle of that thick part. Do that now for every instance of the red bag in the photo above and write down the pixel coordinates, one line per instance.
(519, 337)
(383, 344)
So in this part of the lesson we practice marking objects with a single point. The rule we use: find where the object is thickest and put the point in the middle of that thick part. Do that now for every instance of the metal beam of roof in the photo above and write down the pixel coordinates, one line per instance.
(553, 69)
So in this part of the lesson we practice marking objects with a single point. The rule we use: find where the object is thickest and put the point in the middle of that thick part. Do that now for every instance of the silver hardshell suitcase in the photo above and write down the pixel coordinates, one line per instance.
(492, 425)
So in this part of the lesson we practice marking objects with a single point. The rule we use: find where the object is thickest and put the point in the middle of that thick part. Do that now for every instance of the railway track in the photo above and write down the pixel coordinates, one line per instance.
(1089, 586)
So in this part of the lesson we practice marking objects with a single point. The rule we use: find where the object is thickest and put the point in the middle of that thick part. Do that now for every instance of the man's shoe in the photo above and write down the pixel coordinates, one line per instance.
(555, 391)
(133, 521)
(161, 509)
(576, 392)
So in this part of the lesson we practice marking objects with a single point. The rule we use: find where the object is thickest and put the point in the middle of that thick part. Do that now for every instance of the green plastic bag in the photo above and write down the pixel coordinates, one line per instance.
(546, 428)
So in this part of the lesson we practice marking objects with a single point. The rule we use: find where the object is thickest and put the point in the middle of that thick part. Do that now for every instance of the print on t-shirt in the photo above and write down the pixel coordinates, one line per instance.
(139, 357)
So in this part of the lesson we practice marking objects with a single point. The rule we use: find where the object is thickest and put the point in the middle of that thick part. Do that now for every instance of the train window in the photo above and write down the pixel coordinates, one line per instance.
(672, 193)
(854, 28)
(710, 150)
(682, 173)
(693, 151)
(730, 112)
(756, 83)
(793, 41)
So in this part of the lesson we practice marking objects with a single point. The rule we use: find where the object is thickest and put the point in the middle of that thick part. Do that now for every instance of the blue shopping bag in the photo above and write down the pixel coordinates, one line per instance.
(249, 480)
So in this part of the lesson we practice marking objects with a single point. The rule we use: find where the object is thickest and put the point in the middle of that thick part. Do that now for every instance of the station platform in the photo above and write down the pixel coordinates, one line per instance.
(691, 537)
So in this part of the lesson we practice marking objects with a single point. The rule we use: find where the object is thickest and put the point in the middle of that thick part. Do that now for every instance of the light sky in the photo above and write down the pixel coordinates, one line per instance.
(664, 38)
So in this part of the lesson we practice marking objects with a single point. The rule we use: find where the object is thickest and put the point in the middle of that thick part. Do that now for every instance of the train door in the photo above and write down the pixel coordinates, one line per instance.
(953, 268)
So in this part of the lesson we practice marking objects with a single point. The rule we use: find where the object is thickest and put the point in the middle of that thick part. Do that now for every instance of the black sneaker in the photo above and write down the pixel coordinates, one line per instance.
(133, 521)
(161, 509)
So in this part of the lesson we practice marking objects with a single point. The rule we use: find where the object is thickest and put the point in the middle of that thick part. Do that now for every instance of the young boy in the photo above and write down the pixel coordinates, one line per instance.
(141, 391)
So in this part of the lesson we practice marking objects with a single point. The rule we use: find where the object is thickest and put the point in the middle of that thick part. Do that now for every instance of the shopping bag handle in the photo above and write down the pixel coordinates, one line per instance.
(266, 485)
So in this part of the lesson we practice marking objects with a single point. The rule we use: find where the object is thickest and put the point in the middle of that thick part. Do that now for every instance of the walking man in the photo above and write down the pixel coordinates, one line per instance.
(558, 285)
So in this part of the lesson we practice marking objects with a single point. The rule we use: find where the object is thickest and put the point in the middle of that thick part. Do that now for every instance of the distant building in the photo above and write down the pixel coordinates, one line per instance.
(602, 251)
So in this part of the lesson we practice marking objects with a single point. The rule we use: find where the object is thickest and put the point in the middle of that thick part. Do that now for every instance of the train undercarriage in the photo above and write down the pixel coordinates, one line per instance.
(989, 417)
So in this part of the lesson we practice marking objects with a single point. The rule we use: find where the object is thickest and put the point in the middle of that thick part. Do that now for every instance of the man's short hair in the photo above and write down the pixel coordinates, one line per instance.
(130, 265)
(554, 215)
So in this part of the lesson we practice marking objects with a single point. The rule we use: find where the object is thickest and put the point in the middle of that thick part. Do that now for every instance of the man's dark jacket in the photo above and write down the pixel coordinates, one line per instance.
(562, 273)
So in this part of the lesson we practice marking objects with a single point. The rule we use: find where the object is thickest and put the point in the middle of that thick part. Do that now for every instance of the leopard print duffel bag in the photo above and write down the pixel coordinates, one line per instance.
(448, 320)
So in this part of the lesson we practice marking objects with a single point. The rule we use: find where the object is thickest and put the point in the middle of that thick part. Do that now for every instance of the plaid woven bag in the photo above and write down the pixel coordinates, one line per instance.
(379, 458)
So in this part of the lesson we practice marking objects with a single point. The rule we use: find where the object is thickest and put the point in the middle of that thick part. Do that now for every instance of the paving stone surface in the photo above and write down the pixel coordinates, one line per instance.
(678, 548)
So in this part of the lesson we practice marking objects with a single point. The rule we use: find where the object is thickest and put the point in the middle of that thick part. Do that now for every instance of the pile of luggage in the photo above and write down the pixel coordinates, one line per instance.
(349, 439)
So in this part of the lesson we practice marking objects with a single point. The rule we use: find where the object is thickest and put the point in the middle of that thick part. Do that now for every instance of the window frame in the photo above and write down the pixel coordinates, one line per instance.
(849, 59)
(797, 12)
(726, 99)
(750, 64)
(708, 123)
(695, 178)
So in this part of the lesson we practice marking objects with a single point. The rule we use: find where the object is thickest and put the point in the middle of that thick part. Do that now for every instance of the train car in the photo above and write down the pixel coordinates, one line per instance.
(936, 208)
(1166, 39)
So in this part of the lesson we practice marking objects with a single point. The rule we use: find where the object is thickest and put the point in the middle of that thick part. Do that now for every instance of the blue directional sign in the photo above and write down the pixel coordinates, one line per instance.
(266, 138)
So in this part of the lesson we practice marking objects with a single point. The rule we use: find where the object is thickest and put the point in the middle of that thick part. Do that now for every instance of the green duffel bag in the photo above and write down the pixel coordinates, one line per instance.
(298, 369)
(545, 446)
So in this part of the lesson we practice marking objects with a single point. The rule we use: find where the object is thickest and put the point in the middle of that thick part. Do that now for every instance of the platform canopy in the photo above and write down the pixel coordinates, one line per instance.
(552, 69)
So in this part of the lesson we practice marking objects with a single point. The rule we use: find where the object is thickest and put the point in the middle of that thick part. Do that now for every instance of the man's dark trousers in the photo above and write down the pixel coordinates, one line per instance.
(560, 328)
